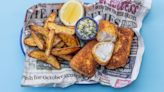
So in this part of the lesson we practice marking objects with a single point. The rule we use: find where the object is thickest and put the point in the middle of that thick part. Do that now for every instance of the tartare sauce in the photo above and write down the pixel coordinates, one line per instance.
(86, 28)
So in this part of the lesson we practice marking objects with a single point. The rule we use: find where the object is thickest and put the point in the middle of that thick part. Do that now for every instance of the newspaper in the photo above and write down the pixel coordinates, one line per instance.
(125, 13)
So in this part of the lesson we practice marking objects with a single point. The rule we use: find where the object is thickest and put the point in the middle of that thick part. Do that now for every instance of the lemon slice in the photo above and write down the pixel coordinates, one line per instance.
(71, 12)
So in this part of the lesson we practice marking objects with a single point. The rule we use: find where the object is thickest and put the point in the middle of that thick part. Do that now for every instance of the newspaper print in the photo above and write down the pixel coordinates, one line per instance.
(37, 73)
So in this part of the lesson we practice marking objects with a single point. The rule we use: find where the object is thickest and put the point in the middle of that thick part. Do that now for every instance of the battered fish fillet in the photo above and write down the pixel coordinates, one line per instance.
(83, 62)
(122, 48)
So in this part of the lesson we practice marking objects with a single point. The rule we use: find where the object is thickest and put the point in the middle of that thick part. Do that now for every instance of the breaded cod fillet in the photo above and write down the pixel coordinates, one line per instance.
(83, 62)
(121, 49)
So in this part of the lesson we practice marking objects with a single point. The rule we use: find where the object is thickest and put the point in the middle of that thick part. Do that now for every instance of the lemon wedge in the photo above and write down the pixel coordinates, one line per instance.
(71, 12)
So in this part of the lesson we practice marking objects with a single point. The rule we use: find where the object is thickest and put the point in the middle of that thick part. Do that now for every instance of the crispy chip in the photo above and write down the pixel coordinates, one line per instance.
(39, 42)
(40, 55)
(72, 27)
(61, 29)
(51, 18)
(39, 29)
(65, 57)
(54, 62)
(29, 41)
(60, 45)
(49, 42)
(69, 40)
(64, 51)
(56, 40)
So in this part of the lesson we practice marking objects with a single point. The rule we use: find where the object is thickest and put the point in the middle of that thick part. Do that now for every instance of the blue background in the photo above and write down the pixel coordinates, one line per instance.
(151, 76)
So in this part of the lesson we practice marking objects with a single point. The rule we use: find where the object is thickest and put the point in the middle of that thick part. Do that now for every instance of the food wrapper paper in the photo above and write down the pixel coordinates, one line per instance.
(124, 13)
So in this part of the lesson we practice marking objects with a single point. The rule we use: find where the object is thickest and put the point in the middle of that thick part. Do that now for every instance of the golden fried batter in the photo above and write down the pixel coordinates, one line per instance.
(83, 62)
(122, 48)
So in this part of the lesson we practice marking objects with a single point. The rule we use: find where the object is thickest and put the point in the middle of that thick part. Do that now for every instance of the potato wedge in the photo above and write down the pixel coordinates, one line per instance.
(50, 18)
(61, 29)
(59, 45)
(40, 55)
(56, 40)
(40, 30)
(71, 27)
(69, 40)
(49, 42)
(65, 57)
(64, 51)
(39, 42)
(54, 62)
(29, 41)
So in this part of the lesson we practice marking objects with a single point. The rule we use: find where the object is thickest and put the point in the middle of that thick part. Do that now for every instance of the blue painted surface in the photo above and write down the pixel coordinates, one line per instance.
(12, 12)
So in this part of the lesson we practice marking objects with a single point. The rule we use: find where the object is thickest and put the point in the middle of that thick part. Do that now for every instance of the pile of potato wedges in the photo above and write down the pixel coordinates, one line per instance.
(54, 42)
